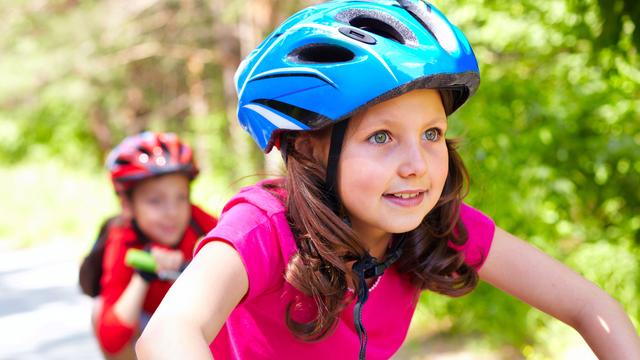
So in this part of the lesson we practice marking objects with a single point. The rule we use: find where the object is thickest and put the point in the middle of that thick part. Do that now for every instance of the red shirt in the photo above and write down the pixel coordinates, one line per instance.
(112, 333)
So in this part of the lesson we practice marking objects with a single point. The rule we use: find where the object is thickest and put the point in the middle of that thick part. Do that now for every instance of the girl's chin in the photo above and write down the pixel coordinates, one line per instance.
(167, 240)
(403, 227)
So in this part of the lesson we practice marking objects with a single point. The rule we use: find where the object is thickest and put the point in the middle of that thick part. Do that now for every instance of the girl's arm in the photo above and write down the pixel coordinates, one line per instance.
(196, 306)
(115, 323)
(539, 280)
(129, 305)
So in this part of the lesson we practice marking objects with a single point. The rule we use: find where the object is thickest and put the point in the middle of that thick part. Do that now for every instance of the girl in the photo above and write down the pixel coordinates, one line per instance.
(151, 173)
(329, 262)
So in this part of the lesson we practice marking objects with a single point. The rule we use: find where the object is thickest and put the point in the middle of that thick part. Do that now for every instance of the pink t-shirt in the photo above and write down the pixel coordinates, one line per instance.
(255, 224)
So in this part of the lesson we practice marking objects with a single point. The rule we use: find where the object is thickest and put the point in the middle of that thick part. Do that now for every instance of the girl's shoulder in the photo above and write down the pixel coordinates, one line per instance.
(254, 223)
(118, 231)
(256, 213)
(474, 219)
(267, 195)
(480, 229)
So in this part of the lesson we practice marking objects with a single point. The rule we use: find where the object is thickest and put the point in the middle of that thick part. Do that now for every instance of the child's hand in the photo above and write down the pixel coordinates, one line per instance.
(167, 260)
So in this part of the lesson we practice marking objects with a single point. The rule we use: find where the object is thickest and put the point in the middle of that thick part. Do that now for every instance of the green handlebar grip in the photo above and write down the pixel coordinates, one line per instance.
(141, 260)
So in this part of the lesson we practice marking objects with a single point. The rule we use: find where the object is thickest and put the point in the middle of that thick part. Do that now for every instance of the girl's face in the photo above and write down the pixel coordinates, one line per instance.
(161, 207)
(394, 164)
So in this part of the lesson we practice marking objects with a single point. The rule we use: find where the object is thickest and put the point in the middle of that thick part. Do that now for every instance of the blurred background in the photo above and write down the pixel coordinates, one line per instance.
(551, 139)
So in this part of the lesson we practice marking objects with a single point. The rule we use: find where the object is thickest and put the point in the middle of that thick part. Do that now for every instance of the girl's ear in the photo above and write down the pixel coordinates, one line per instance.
(314, 145)
(302, 144)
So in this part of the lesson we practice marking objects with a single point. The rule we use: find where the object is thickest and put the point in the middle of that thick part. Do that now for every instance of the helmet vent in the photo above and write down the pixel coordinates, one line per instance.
(377, 27)
(165, 148)
(379, 23)
(142, 149)
(121, 161)
(434, 24)
(322, 54)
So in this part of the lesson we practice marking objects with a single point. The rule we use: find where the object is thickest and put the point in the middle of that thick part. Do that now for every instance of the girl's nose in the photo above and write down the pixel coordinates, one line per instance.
(413, 161)
(171, 208)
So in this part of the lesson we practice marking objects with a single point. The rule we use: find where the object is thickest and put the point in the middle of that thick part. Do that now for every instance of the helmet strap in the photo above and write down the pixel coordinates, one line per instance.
(142, 238)
(283, 145)
(369, 267)
(331, 179)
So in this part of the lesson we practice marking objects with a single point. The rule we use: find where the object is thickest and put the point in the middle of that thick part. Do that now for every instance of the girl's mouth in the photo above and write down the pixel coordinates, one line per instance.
(169, 229)
(405, 199)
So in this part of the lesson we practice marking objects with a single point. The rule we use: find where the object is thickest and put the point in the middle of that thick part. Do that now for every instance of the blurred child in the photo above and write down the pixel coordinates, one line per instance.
(151, 173)
(329, 262)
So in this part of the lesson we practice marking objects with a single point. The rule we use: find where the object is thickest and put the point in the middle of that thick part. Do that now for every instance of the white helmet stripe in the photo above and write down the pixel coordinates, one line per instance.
(277, 120)
(300, 70)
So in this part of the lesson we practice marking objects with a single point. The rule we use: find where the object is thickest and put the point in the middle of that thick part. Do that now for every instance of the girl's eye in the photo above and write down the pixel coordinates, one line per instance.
(379, 138)
(154, 201)
(432, 134)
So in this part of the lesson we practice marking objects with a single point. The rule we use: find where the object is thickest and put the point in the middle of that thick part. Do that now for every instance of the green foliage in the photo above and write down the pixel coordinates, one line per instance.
(551, 139)
(619, 18)
(162, 65)
(55, 129)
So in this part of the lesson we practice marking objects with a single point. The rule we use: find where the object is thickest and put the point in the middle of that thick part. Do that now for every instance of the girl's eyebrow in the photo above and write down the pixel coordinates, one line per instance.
(439, 120)
(390, 121)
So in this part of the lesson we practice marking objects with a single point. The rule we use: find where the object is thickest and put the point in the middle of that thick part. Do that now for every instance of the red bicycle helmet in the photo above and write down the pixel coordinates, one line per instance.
(146, 155)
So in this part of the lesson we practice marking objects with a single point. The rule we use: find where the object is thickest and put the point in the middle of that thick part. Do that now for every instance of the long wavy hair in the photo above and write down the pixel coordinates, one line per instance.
(326, 243)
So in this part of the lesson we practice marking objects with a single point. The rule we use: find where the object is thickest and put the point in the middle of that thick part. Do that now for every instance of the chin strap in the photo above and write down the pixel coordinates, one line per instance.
(140, 236)
(365, 268)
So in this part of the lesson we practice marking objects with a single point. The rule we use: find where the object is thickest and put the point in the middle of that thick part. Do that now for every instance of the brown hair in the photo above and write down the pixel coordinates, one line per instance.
(325, 242)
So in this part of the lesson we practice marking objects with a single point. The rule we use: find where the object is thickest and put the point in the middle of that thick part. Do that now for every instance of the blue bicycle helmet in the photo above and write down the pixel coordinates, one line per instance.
(330, 60)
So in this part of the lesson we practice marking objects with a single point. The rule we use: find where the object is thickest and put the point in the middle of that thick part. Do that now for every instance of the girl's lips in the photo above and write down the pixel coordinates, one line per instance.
(169, 229)
(409, 202)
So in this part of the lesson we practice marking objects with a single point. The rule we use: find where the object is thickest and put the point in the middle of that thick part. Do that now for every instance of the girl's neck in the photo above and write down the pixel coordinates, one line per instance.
(375, 240)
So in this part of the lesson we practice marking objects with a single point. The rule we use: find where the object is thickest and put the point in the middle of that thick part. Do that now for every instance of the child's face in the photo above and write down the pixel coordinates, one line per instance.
(161, 207)
(393, 150)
